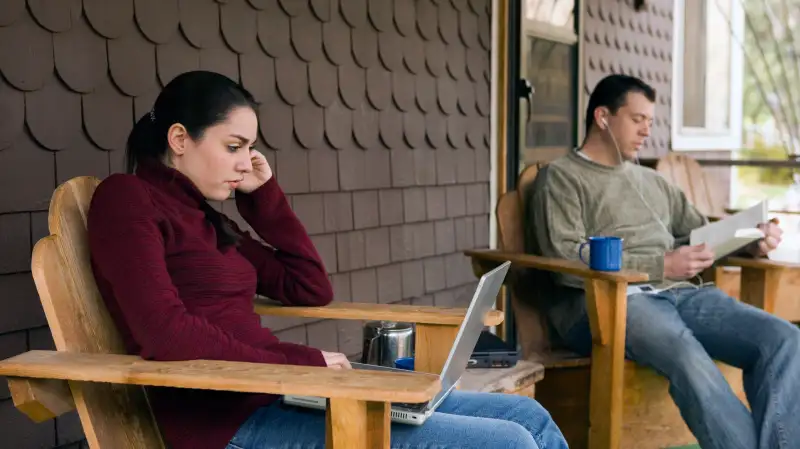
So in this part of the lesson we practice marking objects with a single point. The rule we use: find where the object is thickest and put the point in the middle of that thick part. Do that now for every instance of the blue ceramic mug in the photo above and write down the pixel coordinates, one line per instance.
(605, 253)
(405, 363)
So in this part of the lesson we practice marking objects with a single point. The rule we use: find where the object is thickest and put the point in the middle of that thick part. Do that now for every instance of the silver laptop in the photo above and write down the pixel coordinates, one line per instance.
(468, 334)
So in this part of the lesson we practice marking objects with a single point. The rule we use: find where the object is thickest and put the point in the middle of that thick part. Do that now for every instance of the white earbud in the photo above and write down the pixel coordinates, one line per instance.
(603, 119)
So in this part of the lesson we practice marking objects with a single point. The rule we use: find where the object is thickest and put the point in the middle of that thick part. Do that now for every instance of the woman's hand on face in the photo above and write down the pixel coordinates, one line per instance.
(260, 174)
(336, 360)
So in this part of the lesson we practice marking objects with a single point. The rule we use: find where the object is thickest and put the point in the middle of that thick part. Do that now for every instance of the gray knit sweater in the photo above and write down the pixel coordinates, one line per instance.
(574, 198)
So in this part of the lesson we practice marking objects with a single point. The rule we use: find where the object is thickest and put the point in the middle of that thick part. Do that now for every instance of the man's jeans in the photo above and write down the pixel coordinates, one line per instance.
(464, 420)
(680, 332)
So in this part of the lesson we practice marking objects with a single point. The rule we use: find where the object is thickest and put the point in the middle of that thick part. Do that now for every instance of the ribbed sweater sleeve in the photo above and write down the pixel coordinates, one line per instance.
(289, 269)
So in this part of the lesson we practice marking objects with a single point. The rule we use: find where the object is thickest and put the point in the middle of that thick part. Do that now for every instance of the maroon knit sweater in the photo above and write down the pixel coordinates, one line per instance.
(175, 296)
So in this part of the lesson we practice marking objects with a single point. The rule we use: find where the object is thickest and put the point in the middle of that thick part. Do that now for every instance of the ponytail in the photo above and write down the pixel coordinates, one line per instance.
(226, 235)
(142, 143)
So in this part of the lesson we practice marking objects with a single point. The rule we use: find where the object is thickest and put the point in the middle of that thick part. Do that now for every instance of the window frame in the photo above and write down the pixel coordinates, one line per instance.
(702, 138)
(567, 34)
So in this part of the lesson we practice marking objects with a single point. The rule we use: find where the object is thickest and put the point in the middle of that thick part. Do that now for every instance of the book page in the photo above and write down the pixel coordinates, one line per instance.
(732, 233)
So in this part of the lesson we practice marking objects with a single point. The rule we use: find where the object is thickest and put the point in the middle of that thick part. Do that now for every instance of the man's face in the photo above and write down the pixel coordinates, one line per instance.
(631, 124)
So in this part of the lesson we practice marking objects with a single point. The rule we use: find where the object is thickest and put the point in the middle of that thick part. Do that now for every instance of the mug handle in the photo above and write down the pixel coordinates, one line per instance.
(580, 252)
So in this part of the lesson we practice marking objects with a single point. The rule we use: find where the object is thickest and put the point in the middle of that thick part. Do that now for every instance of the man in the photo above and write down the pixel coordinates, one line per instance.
(681, 328)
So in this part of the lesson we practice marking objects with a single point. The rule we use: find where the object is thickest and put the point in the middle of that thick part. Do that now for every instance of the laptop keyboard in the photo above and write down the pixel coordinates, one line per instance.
(411, 407)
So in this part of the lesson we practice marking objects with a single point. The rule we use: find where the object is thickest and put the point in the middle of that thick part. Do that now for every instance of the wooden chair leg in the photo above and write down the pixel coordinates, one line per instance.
(433, 343)
(759, 287)
(607, 308)
(354, 424)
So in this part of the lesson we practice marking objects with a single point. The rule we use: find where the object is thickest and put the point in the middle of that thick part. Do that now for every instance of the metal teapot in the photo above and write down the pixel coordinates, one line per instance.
(386, 341)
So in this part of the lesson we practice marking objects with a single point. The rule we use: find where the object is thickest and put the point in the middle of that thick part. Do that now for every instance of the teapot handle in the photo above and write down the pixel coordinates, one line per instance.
(373, 349)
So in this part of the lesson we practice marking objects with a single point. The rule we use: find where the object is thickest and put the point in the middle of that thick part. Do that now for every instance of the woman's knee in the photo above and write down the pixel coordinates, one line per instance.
(503, 434)
(528, 410)
(465, 432)
(535, 419)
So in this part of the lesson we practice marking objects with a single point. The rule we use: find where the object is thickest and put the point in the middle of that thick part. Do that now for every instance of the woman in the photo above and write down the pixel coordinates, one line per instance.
(178, 278)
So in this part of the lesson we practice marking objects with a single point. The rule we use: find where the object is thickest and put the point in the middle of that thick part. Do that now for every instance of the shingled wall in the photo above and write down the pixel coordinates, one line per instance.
(374, 117)
(617, 39)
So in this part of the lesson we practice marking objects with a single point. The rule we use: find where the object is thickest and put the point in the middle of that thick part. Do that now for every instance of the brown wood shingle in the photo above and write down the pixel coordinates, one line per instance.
(321, 9)
(339, 125)
(258, 75)
(239, 26)
(12, 108)
(306, 32)
(274, 32)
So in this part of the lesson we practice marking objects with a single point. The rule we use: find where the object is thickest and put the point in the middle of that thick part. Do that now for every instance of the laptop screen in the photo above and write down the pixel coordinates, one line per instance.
(470, 330)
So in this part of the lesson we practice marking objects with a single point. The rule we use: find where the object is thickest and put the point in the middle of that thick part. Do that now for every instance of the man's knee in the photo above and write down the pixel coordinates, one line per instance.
(779, 335)
(654, 332)
(674, 352)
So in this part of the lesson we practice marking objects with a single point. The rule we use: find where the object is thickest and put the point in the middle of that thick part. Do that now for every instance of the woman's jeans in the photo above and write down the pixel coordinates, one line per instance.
(680, 333)
(464, 420)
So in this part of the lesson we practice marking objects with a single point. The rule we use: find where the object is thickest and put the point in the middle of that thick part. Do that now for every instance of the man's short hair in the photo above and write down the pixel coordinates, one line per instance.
(612, 91)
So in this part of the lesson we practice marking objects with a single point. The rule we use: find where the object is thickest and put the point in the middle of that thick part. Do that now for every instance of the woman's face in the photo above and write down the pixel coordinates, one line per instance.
(218, 160)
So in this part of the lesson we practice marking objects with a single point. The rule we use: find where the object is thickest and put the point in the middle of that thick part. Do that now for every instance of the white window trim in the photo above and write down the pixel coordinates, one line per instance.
(496, 72)
(701, 139)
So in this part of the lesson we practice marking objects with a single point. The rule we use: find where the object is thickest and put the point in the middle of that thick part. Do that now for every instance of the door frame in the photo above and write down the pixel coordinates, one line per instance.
(506, 117)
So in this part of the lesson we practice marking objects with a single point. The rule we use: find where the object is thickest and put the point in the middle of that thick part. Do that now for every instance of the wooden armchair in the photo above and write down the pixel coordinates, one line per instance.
(620, 403)
(89, 370)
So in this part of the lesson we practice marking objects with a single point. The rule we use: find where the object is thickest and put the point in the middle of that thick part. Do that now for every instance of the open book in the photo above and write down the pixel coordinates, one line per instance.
(733, 233)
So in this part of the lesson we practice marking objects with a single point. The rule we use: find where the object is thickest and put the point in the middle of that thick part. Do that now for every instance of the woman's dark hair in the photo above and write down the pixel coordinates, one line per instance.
(197, 100)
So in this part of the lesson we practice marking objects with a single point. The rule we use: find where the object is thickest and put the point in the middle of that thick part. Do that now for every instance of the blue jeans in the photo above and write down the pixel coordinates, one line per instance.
(680, 333)
(464, 420)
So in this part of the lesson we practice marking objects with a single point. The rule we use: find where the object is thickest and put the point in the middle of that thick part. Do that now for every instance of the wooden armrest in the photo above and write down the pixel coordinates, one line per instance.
(363, 385)
(556, 265)
(759, 263)
(363, 311)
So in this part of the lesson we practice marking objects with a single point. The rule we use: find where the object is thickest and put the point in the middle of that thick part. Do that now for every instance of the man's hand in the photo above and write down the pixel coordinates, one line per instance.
(773, 235)
(336, 360)
(687, 261)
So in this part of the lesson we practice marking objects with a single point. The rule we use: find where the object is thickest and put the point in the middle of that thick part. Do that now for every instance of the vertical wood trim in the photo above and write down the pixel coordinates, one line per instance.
(499, 130)
(501, 98)
(582, 98)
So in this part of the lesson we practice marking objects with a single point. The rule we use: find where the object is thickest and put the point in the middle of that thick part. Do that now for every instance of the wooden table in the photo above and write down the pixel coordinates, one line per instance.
(520, 379)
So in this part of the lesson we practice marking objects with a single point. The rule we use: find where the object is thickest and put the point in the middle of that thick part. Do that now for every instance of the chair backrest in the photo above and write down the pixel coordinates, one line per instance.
(689, 176)
(530, 321)
(112, 416)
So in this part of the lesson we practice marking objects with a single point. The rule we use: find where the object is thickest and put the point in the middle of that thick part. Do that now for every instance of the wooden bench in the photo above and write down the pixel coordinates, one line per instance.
(90, 371)
(604, 402)
(519, 379)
